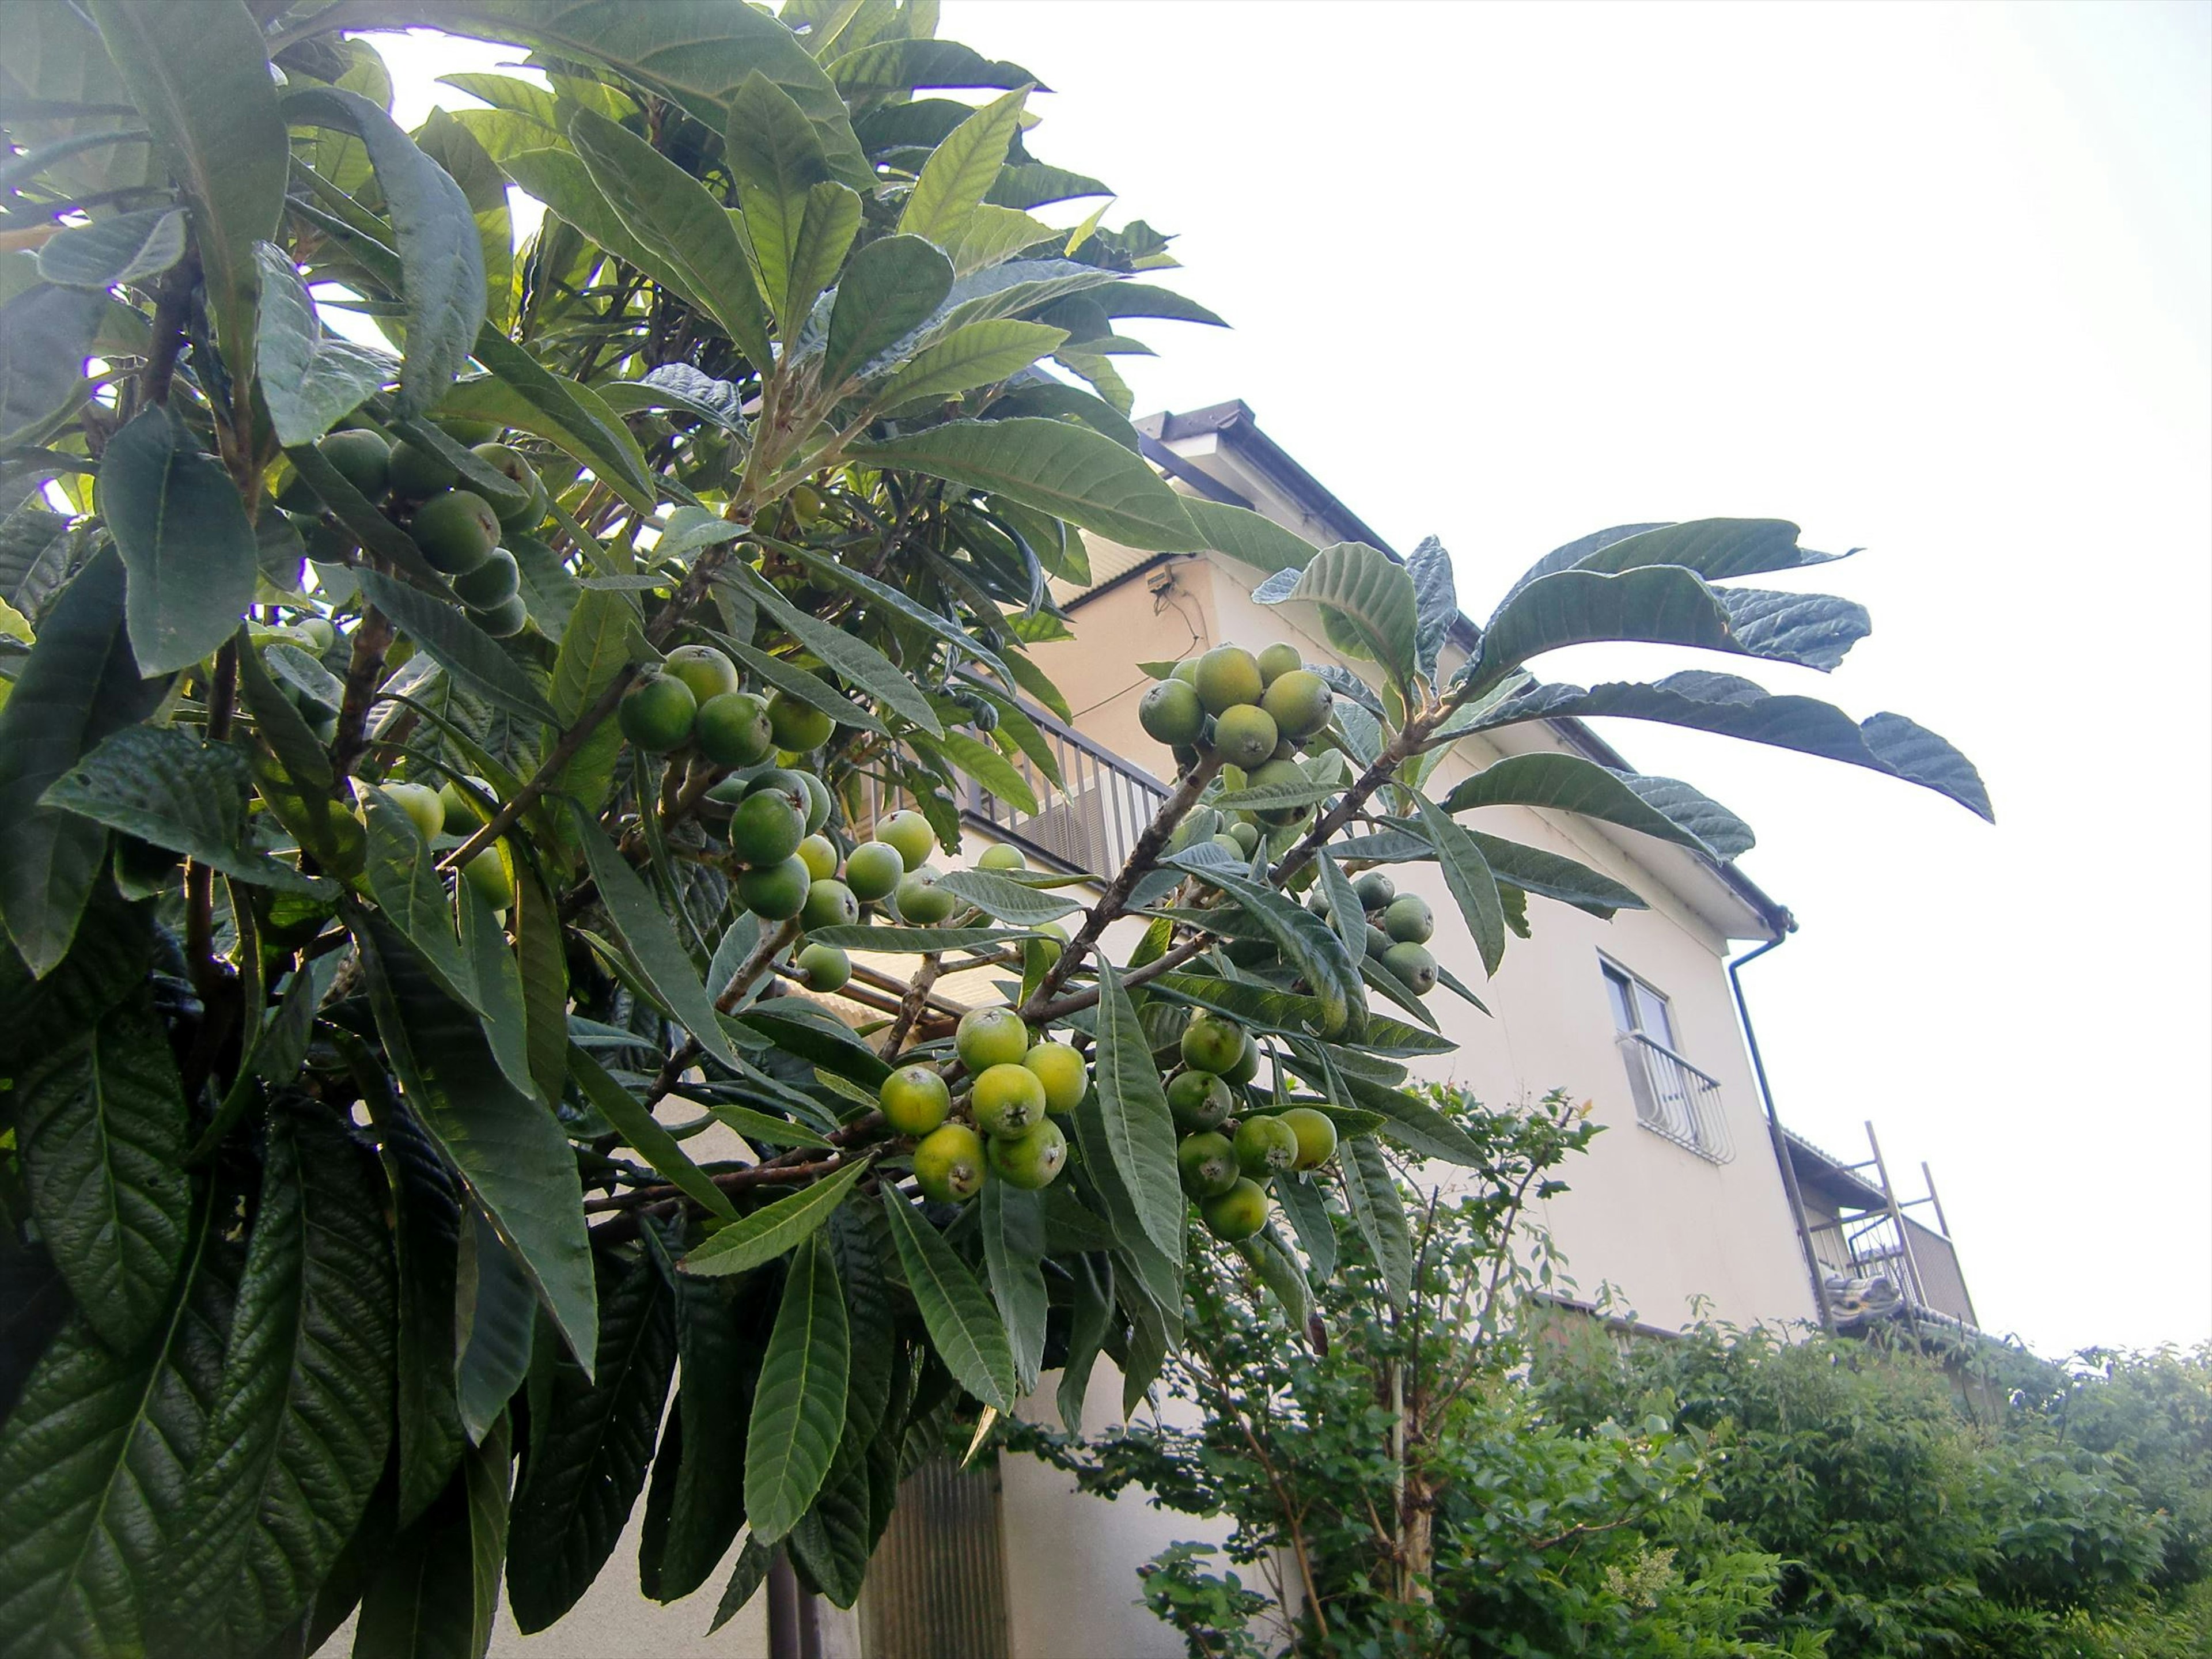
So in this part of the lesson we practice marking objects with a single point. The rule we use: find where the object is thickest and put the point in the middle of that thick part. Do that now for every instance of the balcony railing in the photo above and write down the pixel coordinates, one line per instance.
(1673, 1098)
(1090, 825)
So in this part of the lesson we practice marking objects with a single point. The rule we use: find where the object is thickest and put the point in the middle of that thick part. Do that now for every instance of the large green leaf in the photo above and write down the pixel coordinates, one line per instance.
(886, 66)
(1437, 599)
(427, 1210)
(402, 877)
(1663, 604)
(634, 1122)
(436, 1592)
(1005, 898)
(1139, 1130)
(1093, 1308)
(1568, 783)
(458, 646)
(1302, 1199)
(1063, 470)
(681, 227)
(208, 94)
(1414, 1123)
(507, 1145)
(1370, 1193)
(45, 334)
(852, 659)
(564, 411)
(161, 784)
(652, 940)
(183, 533)
(1467, 874)
(441, 258)
(1305, 938)
(1247, 536)
(1367, 601)
(102, 1114)
(587, 1462)
(960, 170)
(126, 248)
(699, 52)
(297, 1430)
(93, 1459)
(980, 354)
(889, 290)
(495, 1310)
(963, 1327)
(775, 157)
(1013, 1256)
(799, 1407)
(1735, 708)
(722, 1333)
(769, 1231)
(1717, 549)
(309, 379)
(78, 685)
(825, 234)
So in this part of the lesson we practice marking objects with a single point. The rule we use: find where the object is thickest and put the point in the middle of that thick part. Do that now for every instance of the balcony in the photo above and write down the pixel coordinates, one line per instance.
(1674, 1099)
(1088, 827)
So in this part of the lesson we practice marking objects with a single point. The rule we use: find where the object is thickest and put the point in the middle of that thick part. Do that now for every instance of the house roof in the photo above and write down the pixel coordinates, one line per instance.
(1236, 434)
(1832, 1177)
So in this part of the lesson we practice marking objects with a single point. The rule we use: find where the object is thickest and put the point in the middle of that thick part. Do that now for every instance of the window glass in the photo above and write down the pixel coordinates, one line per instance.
(1616, 991)
(1651, 1014)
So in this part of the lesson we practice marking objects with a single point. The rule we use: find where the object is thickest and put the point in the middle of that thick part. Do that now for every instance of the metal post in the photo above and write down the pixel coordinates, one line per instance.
(1927, 1175)
(1918, 1292)
(1776, 1138)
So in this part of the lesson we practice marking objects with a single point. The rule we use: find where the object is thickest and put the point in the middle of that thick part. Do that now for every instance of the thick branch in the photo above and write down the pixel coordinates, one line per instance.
(372, 638)
(1115, 899)
(1075, 1001)
(910, 1006)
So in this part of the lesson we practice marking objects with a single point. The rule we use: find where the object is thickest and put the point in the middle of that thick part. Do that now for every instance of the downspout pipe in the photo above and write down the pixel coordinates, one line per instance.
(1774, 1131)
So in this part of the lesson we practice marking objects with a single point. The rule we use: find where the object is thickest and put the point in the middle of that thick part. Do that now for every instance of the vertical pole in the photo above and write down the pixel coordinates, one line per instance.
(1928, 1177)
(1778, 1140)
(1897, 1220)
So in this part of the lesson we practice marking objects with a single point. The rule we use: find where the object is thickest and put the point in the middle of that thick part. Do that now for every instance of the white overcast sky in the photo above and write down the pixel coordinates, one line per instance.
(1931, 280)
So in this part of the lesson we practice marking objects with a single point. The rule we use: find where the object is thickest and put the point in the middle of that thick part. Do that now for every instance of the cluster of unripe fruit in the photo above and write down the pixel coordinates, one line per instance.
(1226, 1155)
(1014, 1086)
(1254, 713)
(1399, 928)
(457, 530)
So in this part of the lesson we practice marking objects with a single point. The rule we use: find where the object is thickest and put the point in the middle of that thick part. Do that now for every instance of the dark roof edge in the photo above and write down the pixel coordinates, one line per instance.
(1234, 424)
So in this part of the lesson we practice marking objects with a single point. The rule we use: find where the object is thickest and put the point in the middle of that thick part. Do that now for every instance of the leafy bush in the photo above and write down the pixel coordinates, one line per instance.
(418, 769)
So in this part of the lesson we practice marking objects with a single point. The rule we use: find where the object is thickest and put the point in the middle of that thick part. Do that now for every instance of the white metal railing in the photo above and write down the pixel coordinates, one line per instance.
(1673, 1098)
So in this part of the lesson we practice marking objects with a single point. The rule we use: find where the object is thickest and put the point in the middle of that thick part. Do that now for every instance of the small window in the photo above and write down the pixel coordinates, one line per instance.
(1673, 1097)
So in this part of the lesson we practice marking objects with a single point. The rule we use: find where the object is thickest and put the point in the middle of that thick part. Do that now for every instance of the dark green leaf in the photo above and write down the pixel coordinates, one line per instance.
(977, 354)
(906, 65)
(745, 1579)
(634, 1121)
(45, 334)
(1717, 549)
(912, 939)
(506, 1144)
(1305, 938)
(888, 291)
(427, 1210)
(402, 877)
(651, 940)
(102, 1115)
(852, 659)
(1436, 597)
(1031, 184)
(301, 1423)
(183, 533)
(436, 1593)
(208, 95)
(93, 1459)
(1370, 1193)
(494, 1308)
(1345, 913)
(1663, 604)
(441, 259)
(832, 220)
(1414, 1123)
(163, 785)
(309, 379)
(563, 411)
(769, 1231)
(1063, 470)
(1568, 783)
(1271, 1260)
(963, 1327)
(775, 157)
(460, 646)
(681, 227)
(1467, 874)
(1262, 1006)
(127, 248)
(579, 1483)
(1737, 708)
(1302, 1199)
(78, 685)
(798, 683)
(1139, 1133)
(1367, 601)
(1086, 1335)
(1013, 1253)
(799, 1407)
(1007, 900)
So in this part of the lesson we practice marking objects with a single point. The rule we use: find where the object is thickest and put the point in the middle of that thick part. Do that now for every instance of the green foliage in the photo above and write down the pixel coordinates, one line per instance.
(344, 1175)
